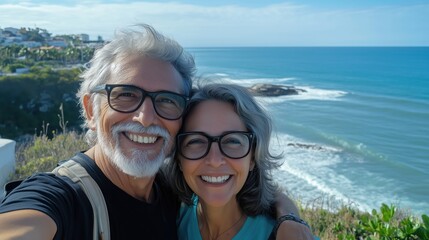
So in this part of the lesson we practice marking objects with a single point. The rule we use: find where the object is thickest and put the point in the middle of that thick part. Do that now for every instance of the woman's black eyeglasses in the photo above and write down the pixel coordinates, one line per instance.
(232, 144)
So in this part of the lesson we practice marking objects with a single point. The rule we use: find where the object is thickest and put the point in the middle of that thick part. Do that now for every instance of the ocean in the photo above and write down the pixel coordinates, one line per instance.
(358, 135)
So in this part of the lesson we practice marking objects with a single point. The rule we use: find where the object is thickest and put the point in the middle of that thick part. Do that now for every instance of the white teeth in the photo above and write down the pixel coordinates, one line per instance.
(219, 179)
(141, 139)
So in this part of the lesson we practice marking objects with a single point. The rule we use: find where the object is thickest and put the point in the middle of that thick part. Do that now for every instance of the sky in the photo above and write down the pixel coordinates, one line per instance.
(223, 23)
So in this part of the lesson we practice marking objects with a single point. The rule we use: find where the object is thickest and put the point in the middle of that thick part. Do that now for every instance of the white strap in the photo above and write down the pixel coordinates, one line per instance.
(78, 174)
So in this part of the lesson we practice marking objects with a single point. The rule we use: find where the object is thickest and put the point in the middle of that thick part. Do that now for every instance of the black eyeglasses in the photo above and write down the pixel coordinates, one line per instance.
(232, 144)
(128, 98)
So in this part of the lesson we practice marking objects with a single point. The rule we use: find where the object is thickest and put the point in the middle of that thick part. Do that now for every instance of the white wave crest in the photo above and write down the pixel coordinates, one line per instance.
(305, 92)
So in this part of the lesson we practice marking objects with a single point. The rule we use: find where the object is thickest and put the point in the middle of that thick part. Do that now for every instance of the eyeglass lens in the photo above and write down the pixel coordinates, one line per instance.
(234, 145)
(129, 98)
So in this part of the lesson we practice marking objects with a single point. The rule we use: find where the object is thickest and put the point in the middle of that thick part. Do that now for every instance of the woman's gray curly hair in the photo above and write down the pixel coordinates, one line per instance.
(126, 43)
(257, 195)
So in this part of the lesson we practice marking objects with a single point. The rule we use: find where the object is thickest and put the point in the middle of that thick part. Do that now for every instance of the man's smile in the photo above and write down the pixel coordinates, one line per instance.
(141, 139)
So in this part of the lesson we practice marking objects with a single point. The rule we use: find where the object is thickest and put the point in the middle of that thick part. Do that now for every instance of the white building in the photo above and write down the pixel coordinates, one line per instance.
(84, 37)
(7, 161)
(58, 43)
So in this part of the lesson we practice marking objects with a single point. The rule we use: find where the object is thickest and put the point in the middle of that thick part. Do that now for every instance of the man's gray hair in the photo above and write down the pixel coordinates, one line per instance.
(126, 43)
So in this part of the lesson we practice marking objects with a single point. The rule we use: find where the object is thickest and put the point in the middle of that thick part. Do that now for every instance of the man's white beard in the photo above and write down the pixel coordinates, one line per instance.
(139, 163)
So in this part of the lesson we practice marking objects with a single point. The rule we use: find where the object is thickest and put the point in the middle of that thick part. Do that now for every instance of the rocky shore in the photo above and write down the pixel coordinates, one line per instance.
(274, 90)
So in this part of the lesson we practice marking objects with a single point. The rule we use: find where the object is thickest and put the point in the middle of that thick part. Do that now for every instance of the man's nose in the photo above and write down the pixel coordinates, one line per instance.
(146, 114)
(215, 157)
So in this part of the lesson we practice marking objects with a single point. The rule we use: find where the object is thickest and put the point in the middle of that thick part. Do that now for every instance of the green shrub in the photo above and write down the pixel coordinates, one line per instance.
(12, 67)
(29, 99)
(347, 223)
(41, 154)
(423, 231)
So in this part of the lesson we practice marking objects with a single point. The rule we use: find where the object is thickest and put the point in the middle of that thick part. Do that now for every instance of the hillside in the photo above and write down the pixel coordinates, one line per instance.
(30, 101)
(37, 79)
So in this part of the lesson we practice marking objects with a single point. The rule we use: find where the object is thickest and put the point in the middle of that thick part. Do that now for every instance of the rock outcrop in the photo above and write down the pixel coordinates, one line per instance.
(273, 90)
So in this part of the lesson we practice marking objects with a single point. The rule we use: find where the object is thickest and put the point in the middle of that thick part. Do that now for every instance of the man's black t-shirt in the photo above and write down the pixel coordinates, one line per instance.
(65, 202)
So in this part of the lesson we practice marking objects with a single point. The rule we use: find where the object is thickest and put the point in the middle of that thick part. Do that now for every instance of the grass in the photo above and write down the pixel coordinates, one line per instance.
(41, 154)
(328, 219)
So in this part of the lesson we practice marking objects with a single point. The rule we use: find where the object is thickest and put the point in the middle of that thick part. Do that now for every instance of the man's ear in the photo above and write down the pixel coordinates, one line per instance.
(89, 111)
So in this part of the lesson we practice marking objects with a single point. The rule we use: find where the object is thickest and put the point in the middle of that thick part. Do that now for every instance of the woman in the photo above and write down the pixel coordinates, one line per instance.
(222, 166)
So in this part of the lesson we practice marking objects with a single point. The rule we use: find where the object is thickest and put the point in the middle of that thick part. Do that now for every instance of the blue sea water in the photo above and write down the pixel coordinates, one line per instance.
(359, 134)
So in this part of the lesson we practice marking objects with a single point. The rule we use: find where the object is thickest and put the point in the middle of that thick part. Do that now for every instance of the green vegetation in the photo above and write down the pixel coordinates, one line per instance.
(29, 98)
(29, 57)
(48, 79)
(34, 34)
(344, 223)
(75, 52)
(348, 223)
(41, 153)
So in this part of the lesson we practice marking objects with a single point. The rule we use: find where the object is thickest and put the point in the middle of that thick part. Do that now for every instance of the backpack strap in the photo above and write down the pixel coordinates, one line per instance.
(78, 174)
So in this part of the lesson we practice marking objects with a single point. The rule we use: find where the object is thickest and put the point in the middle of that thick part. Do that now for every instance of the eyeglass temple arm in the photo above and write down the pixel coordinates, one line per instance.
(98, 88)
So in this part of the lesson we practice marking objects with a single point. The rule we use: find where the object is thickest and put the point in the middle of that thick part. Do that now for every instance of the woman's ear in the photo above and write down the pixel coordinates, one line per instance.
(179, 163)
(89, 111)
(252, 164)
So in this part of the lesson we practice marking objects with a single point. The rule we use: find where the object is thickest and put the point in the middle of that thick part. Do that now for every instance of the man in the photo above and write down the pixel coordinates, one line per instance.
(132, 96)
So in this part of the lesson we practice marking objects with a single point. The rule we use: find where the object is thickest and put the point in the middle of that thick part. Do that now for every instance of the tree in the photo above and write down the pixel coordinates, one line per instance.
(37, 34)
(24, 52)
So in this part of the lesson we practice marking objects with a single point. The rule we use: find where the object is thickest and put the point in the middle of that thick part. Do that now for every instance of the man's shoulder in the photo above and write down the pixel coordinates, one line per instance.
(41, 191)
(41, 182)
(56, 196)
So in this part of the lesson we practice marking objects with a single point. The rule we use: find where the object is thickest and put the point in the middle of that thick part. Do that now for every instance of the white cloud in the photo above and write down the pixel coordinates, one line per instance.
(192, 25)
